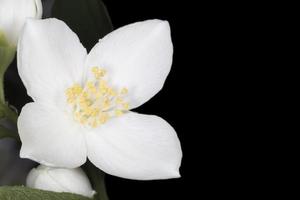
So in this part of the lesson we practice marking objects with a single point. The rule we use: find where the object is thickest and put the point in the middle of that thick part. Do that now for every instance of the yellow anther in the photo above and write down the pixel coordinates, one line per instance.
(89, 84)
(103, 84)
(118, 113)
(124, 91)
(103, 91)
(94, 123)
(125, 106)
(77, 89)
(111, 92)
(91, 87)
(84, 95)
(96, 102)
(87, 111)
(106, 104)
(98, 73)
(119, 100)
(103, 118)
(70, 100)
(83, 120)
(95, 69)
(95, 112)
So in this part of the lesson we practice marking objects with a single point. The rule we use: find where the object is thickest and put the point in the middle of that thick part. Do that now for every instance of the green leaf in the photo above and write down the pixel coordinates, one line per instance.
(24, 193)
(96, 177)
(89, 19)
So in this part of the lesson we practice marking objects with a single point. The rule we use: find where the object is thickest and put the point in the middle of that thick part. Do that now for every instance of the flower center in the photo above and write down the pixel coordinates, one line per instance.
(96, 102)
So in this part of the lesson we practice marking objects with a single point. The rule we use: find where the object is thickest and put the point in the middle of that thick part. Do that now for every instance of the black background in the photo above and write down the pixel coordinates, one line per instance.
(173, 103)
(169, 103)
(177, 103)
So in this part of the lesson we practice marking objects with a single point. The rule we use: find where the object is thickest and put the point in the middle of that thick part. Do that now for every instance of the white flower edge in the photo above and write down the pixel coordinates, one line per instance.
(13, 14)
(60, 180)
(137, 56)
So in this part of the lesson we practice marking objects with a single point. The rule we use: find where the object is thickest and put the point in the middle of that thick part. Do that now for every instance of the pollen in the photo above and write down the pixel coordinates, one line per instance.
(94, 103)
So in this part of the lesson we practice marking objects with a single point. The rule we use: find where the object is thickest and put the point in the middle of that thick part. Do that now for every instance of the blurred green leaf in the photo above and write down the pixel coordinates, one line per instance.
(24, 193)
(5, 132)
(88, 18)
(96, 177)
(7, 54)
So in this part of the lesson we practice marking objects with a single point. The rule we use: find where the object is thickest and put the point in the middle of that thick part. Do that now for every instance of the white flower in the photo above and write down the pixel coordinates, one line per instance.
(13, 14)
(60, 180)
(82, 101)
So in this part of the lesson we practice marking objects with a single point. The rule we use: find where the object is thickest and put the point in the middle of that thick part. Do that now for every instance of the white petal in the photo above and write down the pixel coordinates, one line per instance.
(60, 180)
(136, 146)
(137, 56)
(49, 137)
(50, 58)
(13, 14)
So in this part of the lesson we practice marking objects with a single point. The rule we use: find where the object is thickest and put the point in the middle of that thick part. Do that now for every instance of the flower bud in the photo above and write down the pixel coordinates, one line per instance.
(13, 14)
(60, 180)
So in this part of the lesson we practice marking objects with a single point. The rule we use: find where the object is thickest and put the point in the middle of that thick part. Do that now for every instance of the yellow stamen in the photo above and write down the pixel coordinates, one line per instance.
(124, 91)
(118, 113)
(96, 102)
